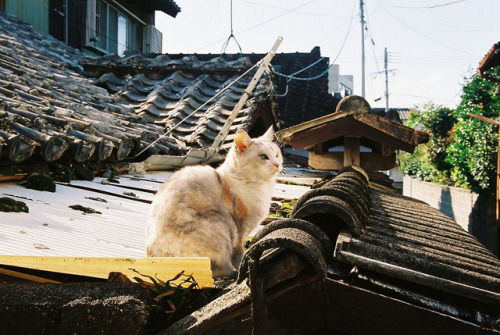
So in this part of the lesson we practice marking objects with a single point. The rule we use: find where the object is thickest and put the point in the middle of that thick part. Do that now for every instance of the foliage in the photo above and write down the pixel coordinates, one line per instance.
(282, 210)
(428, 162)
(10, 205)
(473, 151)
(40, 182)
(169, 295)
(462, 150)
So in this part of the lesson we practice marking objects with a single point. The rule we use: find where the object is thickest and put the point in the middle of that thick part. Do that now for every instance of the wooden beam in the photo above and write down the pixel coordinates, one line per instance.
(165, 268)
(351, 151)
(320, 148)
(355, 310)
(16, 276)
(368, 161)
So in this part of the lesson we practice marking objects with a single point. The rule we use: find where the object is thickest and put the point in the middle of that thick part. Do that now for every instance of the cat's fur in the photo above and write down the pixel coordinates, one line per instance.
(202, 211)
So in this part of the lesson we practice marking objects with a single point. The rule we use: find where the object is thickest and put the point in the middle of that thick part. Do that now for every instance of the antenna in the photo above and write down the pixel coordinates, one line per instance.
(224, 46)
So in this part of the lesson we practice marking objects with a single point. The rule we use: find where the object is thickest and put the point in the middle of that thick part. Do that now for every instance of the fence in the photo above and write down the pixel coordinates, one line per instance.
(473, 212)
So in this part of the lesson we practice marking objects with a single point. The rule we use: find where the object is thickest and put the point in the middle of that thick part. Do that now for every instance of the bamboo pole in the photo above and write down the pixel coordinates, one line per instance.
(263, 66)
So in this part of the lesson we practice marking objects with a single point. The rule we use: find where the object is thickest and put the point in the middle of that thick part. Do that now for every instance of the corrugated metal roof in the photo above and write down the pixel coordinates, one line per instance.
(51, 228)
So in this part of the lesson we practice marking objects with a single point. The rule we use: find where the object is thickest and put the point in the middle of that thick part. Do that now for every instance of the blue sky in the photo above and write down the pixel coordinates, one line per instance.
(432, 44)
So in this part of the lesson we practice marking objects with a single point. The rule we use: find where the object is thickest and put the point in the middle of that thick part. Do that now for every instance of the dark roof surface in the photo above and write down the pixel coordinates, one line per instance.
(375, 247)
(167, 6)
(50, 110)
(164, 91)
(385, 227)
(299, 99)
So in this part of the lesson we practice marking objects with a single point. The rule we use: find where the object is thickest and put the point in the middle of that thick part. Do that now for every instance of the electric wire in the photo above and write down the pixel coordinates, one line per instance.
(293, 75)
(427, 7)
(422, 34)
(260, 24)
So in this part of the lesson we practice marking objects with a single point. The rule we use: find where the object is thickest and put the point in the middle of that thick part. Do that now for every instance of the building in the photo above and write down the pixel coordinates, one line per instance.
(339, 84)
(96, 26)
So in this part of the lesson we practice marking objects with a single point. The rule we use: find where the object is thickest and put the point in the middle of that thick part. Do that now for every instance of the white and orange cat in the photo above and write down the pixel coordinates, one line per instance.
(202, 211)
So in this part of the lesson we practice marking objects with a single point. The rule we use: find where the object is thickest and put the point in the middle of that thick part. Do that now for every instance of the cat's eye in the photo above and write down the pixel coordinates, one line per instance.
(263, 156)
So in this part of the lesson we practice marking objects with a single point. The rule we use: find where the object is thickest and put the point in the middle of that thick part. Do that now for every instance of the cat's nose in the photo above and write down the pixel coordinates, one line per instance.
(276, 164)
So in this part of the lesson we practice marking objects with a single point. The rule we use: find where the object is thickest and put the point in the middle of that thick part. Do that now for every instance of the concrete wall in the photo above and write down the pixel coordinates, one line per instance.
(474, 212)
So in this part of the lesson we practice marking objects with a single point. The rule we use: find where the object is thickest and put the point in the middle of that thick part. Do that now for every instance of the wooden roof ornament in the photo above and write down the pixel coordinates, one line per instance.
(352, 126)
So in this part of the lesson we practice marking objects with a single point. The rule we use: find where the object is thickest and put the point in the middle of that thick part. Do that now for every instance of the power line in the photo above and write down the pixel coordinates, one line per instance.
(373, 47)
(305, 13)
(422, 34)
(261, 23)
(427, 7)
(292, 76)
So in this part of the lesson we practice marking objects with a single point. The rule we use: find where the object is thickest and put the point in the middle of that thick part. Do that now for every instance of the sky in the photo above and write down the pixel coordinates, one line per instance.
(433, 45)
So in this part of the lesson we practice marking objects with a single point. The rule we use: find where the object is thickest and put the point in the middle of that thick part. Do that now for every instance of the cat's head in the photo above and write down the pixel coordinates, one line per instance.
(257, 156)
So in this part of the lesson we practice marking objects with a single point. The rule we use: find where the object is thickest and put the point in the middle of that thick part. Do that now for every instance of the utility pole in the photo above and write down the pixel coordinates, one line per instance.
(362, 14)
(386, 70)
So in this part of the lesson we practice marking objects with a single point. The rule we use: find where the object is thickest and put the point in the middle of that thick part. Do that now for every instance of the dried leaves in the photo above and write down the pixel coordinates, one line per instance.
(172, 294)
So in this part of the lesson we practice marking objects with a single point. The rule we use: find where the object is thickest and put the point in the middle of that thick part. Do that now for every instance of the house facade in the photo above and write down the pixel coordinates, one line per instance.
(96, 27)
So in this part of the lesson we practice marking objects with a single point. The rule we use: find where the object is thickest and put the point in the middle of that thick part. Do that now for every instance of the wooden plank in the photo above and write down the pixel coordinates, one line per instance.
(165, 268)
(351, 151)
(368, 161)
(320, 148)
(19, 276)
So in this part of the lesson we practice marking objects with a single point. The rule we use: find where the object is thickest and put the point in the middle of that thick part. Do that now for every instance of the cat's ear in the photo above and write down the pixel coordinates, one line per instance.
(242, 140)
(269, 134)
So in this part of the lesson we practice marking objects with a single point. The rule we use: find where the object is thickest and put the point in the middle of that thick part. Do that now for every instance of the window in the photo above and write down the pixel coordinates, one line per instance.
(122, 34)
(115, 31)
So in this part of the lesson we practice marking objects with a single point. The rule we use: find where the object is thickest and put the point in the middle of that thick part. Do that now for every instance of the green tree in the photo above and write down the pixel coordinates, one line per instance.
(472, 152)
(428, 162)
(462, 150)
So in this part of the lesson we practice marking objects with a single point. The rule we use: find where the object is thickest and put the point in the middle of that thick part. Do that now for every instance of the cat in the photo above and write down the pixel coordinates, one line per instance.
(202, 211)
